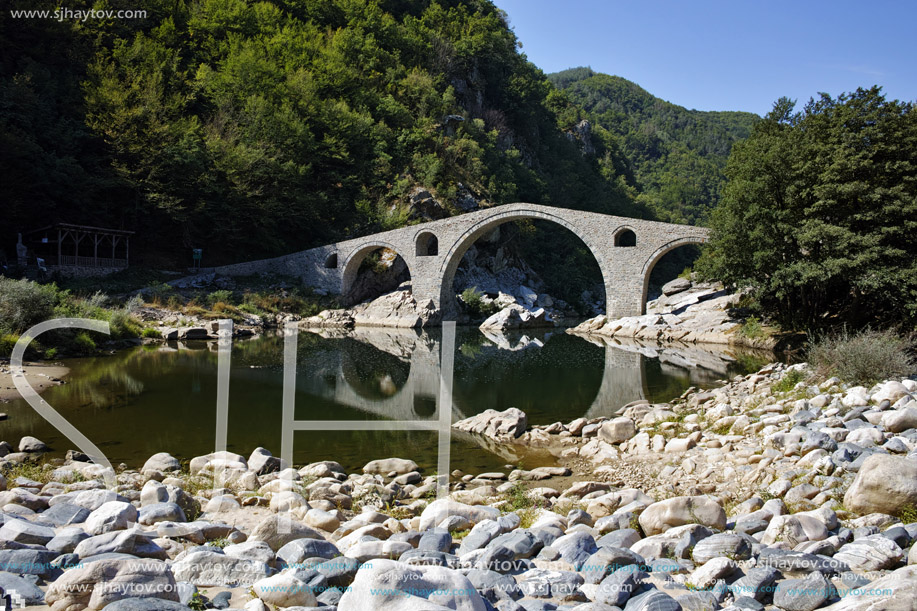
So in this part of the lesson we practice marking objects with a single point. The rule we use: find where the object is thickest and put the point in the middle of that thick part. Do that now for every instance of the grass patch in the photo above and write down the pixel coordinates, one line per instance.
(908, 514)
(789, 381)
(28, 470)
(460, 534)
(863, 358)
(527, 516)
(517, 497)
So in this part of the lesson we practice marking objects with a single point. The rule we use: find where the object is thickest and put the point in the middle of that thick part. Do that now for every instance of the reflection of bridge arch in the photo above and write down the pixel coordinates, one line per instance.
(624, 377)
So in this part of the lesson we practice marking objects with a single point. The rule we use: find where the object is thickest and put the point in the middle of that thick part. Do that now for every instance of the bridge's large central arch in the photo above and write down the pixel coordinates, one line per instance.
(454, 257)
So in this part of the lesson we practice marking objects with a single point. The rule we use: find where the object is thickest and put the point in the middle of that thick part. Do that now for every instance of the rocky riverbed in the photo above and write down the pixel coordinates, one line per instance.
(774, 491)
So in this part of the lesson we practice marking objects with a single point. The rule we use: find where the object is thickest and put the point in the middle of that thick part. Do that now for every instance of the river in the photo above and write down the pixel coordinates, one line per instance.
(163, 397)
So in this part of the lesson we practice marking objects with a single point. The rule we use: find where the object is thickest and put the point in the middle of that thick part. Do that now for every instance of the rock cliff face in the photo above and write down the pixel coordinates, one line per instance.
(396, 309)
(685, 312)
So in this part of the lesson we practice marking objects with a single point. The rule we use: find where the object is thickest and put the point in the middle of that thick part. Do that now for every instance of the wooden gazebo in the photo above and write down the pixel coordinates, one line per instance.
(82, 245)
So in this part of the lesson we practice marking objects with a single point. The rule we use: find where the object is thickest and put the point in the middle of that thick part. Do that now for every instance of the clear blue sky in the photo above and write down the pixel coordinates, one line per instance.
(727, 54)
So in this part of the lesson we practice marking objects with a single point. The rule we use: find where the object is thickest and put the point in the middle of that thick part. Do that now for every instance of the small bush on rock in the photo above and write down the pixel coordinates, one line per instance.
(864, 358)
(475, 304)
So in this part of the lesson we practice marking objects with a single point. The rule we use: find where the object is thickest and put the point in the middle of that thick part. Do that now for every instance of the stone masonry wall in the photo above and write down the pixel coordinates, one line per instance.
(626, 269)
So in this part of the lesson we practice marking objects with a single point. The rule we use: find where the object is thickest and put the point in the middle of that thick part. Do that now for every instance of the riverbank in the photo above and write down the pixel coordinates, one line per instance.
(687, 313)
(775, 489)
(40, 377)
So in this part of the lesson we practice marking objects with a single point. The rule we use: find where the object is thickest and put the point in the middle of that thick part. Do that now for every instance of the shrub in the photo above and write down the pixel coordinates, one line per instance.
(7, 343)
(24, 303)
(151, 332)
(864, 358)
(122, 325)
(221, 296)
(160, 291)
(97, 300)
(908, 514)
(475, 304)
(789, 381)
(83, 342)
(752, 328)
(134, 303)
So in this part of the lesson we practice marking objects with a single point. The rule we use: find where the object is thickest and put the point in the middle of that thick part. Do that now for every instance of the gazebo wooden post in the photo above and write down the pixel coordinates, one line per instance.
(77, 233)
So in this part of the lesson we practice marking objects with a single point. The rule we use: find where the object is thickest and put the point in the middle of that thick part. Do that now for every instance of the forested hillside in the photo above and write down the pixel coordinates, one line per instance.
(258, 128)
(677, 155)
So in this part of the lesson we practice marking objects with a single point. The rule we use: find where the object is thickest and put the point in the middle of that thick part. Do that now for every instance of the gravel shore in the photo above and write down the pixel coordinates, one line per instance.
(775, 491)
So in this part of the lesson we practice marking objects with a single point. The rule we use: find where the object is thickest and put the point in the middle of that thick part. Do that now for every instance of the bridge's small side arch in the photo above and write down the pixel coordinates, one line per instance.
(453, 258)
(625, 237)
(426, 244)
(331, 261)
(352, 263)
(658, 254)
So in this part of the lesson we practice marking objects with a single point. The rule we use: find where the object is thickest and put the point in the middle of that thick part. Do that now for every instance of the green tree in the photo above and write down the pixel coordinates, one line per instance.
(673, 155)
(820, 211)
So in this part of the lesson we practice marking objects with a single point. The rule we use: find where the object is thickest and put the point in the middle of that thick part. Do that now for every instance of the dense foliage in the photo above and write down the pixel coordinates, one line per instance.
(866, 358)
(676, 155)
(820, 213)
(256, 128)
(24, 303)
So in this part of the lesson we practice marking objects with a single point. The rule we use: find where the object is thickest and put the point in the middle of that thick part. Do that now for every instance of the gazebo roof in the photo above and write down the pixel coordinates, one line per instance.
(86, 228)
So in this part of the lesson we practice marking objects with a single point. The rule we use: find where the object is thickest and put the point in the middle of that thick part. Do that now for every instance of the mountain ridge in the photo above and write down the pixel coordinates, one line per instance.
(676, 154)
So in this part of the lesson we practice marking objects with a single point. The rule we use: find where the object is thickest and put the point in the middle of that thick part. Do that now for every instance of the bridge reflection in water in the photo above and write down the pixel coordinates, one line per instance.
(406, 383)
(373, 378)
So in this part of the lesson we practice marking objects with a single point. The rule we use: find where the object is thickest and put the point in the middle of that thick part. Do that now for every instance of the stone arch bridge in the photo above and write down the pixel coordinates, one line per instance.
(626, 250)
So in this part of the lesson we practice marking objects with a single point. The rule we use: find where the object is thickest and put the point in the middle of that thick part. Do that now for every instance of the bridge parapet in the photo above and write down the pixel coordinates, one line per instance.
(626, 250)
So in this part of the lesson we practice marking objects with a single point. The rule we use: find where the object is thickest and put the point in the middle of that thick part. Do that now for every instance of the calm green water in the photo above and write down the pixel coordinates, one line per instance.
(163, 397)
